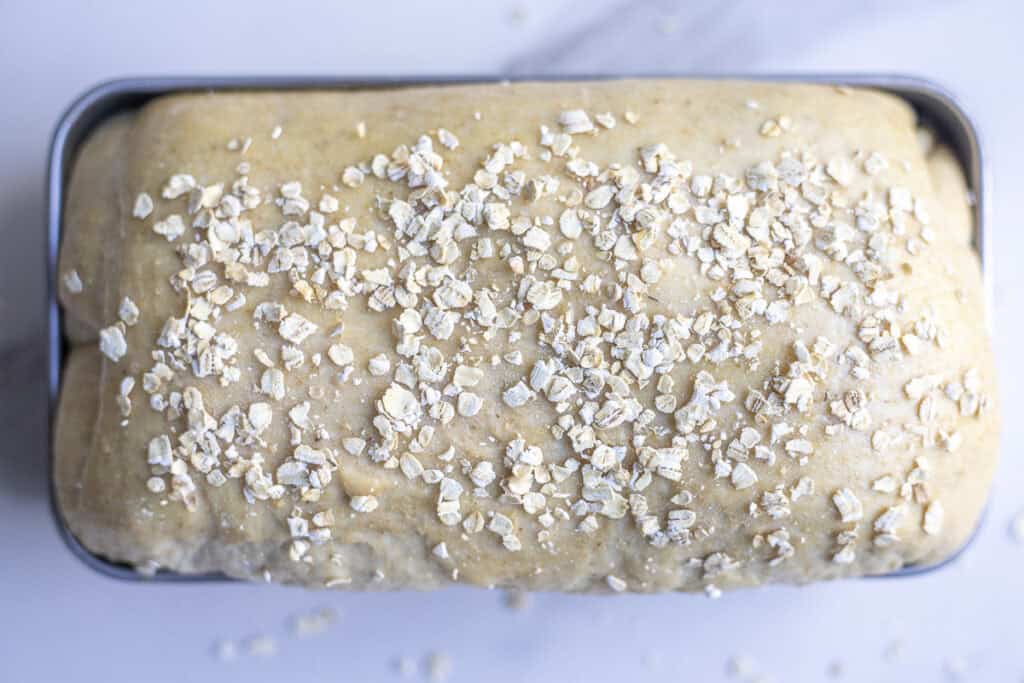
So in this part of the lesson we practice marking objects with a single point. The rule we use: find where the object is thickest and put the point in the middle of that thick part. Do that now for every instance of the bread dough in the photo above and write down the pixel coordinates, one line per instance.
(895, 438)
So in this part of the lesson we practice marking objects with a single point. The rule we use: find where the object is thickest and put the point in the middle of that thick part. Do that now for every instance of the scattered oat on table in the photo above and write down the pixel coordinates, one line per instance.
(438, 666)
(261, 646)
(313, 623)
(226, 650)
(1017, 527)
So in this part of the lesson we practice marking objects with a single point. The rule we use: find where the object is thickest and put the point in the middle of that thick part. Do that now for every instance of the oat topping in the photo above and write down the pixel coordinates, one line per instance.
(177, 185)
(643, 395)
(363, 503)
(72, 282)
(934, 515)
(171, 227)
(575, 121)
(143, 206)
(128, 312)
(848, 505)
(616, 584)
(352, 177)
(447, 138)
(845, 552)
(112, 342)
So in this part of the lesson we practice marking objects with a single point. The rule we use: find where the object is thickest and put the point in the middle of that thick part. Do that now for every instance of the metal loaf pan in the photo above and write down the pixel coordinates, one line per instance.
(935, 107)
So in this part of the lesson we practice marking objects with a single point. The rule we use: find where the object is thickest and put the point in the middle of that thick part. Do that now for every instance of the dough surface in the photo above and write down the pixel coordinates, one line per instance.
(790, 256)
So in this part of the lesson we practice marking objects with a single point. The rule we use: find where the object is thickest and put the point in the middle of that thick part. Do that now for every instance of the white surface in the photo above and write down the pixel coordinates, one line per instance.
(61, 622)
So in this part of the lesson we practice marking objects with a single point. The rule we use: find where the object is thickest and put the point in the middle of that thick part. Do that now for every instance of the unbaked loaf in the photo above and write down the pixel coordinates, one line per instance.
(597, 336)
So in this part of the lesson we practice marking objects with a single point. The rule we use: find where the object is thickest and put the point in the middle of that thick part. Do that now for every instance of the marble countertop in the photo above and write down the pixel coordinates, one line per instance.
(63, 622)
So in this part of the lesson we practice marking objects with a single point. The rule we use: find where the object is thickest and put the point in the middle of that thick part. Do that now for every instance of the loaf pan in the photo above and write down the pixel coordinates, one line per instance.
(935, 106)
